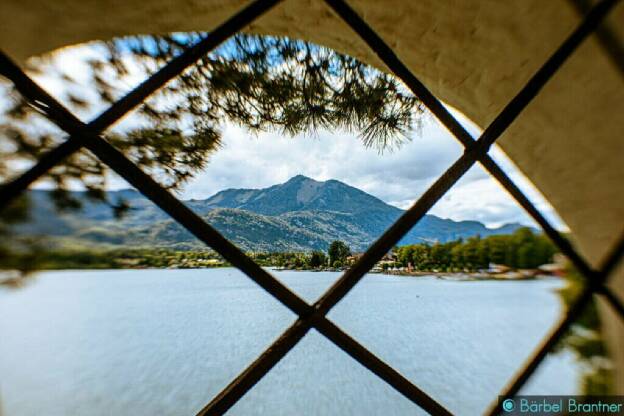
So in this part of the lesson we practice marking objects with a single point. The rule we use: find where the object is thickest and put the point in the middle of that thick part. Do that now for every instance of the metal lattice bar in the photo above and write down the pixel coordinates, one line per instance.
(614, 258)
(613, 300)
(135, 97)
(561, 242)
(606, 36)
(608, 268)
(572, 314)
(254, 372)
(314, 316)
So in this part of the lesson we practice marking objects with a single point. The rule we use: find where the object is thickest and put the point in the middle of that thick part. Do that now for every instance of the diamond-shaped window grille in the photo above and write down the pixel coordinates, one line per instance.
(88, 136)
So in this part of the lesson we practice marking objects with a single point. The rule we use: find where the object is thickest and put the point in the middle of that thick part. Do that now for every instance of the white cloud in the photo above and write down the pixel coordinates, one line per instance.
(269, 158)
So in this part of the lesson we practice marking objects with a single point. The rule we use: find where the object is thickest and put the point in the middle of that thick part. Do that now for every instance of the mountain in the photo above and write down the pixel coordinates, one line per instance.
(301, 214)
(301, 193)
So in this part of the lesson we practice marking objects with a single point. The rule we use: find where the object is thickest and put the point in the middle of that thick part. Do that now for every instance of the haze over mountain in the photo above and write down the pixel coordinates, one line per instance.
(300, 214)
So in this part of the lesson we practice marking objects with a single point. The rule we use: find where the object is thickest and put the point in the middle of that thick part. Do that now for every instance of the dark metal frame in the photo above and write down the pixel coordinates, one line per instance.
(314, 316)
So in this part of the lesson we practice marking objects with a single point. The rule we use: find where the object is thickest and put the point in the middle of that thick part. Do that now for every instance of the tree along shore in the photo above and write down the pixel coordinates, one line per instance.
(522, 250)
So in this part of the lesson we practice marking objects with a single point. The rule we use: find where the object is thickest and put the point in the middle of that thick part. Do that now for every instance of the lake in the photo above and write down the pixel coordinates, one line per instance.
(164, 342)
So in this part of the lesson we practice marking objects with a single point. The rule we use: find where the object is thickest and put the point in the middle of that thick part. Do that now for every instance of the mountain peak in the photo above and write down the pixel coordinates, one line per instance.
(300, 179)
(301, 193)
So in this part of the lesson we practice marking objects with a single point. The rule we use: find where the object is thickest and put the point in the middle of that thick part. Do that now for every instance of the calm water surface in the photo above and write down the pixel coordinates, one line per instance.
(164, 342)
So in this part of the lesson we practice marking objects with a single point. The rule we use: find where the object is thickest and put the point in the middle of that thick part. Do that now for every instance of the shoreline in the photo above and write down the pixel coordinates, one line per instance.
(476, 276)
(456, 276)
(15, 278)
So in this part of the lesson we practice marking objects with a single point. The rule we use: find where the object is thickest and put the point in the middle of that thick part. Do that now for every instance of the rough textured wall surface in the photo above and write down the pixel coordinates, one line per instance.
(474, 55)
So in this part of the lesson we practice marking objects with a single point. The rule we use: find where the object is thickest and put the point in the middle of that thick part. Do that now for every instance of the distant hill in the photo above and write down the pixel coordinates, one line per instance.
(300, 214)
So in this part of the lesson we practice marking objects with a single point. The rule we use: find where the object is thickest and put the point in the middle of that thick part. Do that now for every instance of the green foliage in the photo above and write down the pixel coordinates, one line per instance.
(303, 260)
(317, 259)
(80, 258)
(523, 250)
(25, 248)
(585, 338)
(338, 251)
(598, 381)
(15, 212)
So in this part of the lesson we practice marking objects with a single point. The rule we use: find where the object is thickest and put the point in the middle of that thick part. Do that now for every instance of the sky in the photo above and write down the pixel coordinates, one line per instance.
(397, 177)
